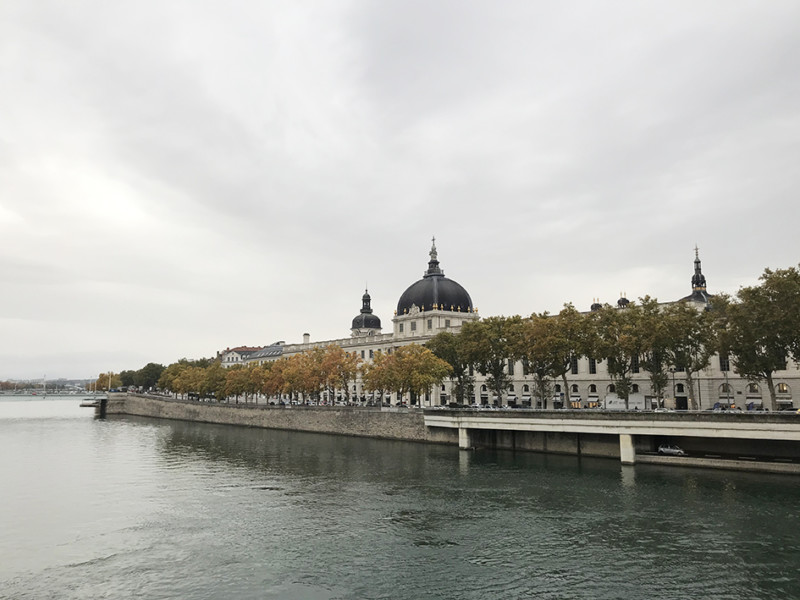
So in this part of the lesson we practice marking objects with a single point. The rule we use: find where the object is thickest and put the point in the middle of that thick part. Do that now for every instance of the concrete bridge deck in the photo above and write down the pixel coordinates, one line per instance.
(769, 434)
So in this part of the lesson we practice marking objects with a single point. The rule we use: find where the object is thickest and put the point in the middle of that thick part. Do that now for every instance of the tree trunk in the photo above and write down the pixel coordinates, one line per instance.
(690, 384)
(773, 400)
(567, 402)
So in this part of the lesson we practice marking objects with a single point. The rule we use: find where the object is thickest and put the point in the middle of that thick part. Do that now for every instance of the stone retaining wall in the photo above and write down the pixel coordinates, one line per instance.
(405, 424)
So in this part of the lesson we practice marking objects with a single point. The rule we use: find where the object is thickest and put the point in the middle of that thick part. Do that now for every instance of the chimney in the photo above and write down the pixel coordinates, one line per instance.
(306, 338)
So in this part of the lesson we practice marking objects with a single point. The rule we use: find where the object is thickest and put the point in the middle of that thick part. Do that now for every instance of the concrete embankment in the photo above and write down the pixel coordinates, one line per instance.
(408, 425)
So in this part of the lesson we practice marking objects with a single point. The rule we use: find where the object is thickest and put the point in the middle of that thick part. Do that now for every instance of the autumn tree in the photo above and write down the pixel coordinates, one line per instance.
(189, 380)
(411, 369)
(273, 381)
(379, 375)
(108, 381)
(338, 369)
(214, 382)
(420, 369)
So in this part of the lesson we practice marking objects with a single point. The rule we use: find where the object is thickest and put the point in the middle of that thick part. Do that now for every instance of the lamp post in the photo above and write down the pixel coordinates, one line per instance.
(674, 399)
(727, 388)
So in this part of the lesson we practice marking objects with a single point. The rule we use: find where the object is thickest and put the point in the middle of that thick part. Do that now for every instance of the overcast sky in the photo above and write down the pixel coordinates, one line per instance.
(180, 177)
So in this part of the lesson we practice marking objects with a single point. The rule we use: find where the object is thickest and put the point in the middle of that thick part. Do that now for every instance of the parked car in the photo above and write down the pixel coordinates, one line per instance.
(671, 450)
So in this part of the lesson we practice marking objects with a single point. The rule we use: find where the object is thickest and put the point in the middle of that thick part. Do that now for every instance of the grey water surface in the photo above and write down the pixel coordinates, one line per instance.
(143, 508)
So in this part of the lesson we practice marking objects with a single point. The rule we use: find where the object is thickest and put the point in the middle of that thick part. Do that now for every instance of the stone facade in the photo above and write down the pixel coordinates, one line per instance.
(588, 384)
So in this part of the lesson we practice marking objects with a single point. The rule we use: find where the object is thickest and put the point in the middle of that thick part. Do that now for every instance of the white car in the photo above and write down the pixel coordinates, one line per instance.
(671, 450)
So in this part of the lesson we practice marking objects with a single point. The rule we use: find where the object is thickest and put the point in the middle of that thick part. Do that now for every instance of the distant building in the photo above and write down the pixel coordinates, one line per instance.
(236, 356)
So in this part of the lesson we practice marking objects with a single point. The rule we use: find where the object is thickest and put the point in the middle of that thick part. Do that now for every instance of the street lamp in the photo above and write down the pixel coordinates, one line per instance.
(674, 399)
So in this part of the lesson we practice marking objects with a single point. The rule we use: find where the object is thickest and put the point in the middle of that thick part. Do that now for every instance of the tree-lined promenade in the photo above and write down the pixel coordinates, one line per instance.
(758, 330)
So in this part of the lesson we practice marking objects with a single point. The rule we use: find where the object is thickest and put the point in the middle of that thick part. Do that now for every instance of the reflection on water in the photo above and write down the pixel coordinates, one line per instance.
(137, 507)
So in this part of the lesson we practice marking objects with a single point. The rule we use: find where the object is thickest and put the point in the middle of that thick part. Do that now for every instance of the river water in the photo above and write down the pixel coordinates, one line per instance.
(144, 508)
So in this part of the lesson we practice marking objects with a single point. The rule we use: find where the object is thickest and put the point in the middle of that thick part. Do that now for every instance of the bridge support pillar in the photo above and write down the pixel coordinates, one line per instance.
(464, 438)
(627, 452)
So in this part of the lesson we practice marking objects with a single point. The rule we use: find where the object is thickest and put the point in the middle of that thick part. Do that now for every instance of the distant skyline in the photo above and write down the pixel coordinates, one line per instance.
(178, 178)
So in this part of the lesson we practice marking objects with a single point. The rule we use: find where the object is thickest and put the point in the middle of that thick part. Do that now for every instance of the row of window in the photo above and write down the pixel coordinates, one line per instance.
(724, 366)
(429, 324)
(573, 366)
(752, 389)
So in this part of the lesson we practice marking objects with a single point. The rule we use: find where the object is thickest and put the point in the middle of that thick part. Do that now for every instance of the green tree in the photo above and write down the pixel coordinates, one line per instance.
(654, 353)
(692, 339)
(447, 346)
(548, 345)
(489, 344)
(754, 337)
(126, 378)
(618, 337)
(781, 291)
(147, 377)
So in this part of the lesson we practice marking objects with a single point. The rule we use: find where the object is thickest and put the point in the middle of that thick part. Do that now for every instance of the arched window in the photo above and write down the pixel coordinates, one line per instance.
(558, 388)
(526, 388)
(612, 389)
(635, 388)
(782, 388)
(725, 390)
(483, 388)
(443, 388)
(574, 388)
(511, 388)
(592, 389)
(679, 388)
(752, 389)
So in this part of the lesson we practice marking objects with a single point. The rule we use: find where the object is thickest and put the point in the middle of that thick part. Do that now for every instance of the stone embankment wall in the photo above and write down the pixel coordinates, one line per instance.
(400, 425)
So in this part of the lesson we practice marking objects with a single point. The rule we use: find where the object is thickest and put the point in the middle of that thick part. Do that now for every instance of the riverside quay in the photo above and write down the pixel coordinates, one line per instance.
(759, 441)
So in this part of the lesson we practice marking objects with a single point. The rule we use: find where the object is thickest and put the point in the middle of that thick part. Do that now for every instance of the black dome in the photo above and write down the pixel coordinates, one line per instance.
(435, 292)
(366, 320)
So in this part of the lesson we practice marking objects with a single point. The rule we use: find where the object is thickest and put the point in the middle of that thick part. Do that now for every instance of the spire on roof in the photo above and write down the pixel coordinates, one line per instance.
(698, 279)
(433, 263)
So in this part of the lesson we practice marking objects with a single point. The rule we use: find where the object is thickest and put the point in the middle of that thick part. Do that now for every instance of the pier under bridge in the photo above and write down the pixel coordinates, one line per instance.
(724, 438)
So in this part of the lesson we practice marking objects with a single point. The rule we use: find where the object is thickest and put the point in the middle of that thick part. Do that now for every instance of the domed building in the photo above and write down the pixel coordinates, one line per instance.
(432, 304)
(427, 307)
(435, 303)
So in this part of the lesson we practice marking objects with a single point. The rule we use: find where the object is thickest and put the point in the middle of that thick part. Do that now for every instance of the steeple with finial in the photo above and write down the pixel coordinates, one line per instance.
(365, 322)
(698, 279)
(699, 294)
(433, 263)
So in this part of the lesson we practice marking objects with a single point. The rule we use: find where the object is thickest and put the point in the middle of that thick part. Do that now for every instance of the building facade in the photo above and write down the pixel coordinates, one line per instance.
(436, 303)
